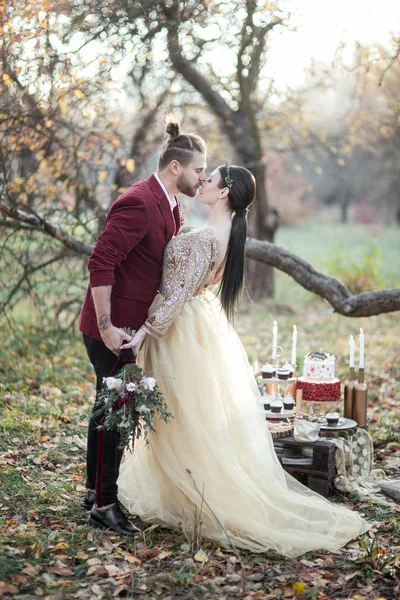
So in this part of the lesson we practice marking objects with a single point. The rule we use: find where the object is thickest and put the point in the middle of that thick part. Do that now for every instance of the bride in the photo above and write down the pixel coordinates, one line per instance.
(218, 441)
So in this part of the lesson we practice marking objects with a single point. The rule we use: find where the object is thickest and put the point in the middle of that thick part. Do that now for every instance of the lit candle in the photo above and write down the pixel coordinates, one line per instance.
(361, 365)
(274, 338)
(352, 345)
(294, 343)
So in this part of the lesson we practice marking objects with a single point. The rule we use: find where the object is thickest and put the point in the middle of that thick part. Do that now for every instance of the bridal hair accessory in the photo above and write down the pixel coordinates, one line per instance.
(242, 213)
(228, 180)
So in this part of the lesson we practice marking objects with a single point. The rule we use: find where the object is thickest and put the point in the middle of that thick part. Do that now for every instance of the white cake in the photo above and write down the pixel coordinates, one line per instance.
(318, 382)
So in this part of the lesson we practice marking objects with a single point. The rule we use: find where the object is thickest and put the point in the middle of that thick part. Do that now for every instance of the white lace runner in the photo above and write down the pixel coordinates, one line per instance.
(354, 465)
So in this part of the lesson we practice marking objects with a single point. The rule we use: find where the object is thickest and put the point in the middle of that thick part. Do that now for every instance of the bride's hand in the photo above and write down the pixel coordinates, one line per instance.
(135, 342)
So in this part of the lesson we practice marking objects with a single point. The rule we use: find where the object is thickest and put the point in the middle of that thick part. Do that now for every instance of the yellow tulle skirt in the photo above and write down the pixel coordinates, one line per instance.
(219, 435)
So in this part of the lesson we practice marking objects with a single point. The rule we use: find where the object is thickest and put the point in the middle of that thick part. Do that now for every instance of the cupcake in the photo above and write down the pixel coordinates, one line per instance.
(266, 401)
(289, 367)
(332, 418)
(267, 371)
(276, 404)
(288, 402)
(283, 373)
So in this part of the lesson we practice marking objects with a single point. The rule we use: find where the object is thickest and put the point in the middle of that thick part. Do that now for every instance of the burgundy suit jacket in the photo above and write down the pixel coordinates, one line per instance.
(128, 255)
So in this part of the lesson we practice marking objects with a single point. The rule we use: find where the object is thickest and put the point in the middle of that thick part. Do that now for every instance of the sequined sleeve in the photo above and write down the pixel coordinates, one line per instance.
(188, 264)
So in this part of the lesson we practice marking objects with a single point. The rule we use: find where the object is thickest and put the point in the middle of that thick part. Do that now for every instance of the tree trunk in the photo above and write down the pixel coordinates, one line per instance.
(344, 212)
(263, 223)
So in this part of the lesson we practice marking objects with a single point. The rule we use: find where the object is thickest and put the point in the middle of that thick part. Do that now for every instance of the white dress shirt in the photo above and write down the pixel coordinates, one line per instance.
(172, 201)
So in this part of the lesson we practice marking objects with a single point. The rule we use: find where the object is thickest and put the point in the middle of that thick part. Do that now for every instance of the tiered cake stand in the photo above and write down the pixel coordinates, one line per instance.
(275, 381)
(319, 409)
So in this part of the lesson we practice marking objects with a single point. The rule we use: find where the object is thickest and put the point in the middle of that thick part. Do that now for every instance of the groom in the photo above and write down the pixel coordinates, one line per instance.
(125, 270)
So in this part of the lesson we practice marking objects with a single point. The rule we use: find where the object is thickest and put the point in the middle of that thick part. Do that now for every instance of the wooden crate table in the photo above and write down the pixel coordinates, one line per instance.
(319, 468)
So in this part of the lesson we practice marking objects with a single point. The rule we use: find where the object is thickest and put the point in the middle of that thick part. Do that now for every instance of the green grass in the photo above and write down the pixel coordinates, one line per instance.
(319, 242)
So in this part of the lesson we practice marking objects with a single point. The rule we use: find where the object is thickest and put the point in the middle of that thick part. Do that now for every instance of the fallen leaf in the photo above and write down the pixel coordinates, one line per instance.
(132, 559)
(60, 546)
(18, 579)
(112, 570)
(7, 588)
(200, 556)
(96, 589)
(31, 569)
(61, 570)
(98, 571)
(94, 561)
(298, 587)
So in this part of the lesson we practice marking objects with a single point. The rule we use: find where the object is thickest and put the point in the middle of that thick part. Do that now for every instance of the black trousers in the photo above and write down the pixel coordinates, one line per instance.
(103, 361)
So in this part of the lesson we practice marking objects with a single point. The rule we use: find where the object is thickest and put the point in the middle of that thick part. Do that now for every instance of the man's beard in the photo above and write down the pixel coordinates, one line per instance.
(184, 186)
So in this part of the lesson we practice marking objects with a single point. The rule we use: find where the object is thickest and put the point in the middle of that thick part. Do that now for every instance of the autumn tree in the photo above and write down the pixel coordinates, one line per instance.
(345, 134)
(66, 153)
(218, 48)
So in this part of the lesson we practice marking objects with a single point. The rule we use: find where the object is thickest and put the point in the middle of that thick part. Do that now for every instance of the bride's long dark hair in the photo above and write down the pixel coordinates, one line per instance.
(242, 191)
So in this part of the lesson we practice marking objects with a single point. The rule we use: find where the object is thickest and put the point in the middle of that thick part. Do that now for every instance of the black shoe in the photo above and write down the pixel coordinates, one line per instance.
(90, 499)
(112, 518)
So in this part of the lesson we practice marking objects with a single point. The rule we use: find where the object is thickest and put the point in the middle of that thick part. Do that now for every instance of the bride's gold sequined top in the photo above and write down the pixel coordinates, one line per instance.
(189, 268)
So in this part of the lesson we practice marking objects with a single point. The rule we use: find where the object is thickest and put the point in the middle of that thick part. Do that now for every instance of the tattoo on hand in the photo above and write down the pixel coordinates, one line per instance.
(104, 322)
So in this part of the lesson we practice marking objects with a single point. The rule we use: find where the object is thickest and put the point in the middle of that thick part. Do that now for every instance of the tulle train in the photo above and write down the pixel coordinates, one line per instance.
(219, 434)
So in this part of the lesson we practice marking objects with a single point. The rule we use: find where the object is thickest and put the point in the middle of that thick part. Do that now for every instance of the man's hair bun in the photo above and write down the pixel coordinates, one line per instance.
(173, 129)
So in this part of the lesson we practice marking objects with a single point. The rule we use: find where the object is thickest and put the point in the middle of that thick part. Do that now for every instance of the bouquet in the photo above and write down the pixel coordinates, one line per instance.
(129, 402)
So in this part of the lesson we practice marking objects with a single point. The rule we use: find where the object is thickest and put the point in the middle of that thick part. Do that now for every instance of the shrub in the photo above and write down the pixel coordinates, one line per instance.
(358, 276)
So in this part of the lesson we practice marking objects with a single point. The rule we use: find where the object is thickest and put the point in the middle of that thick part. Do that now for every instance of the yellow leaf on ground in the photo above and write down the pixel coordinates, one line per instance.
(79, 94)
(299, 587)
(60, 546)
(102, 176)
(200, 556)
(132, 559)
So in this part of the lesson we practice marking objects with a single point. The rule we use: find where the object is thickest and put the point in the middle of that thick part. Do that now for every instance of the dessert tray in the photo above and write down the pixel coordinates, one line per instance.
(281, 415)
(280, 429)
(343, 423)
(267, 380)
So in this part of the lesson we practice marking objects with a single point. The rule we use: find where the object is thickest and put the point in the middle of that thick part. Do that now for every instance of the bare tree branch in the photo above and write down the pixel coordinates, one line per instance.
(191, 74)
(37, 222)
(330, 288)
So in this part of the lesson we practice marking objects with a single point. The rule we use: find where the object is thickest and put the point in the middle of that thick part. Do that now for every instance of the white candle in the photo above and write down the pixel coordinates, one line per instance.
(294, 343)
(352, 345)
(274, 338)
(361, 365)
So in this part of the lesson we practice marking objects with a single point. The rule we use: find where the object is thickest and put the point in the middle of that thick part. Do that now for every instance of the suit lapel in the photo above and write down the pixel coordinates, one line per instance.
(177, 217)
(164, 207)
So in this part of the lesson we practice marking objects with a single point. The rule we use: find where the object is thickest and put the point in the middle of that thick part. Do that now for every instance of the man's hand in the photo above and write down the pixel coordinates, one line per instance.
(136, 342)
(113, 337)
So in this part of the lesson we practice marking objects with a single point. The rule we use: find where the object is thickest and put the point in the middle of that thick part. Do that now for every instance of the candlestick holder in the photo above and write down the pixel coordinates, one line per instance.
(349, 395)
(360, 400)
